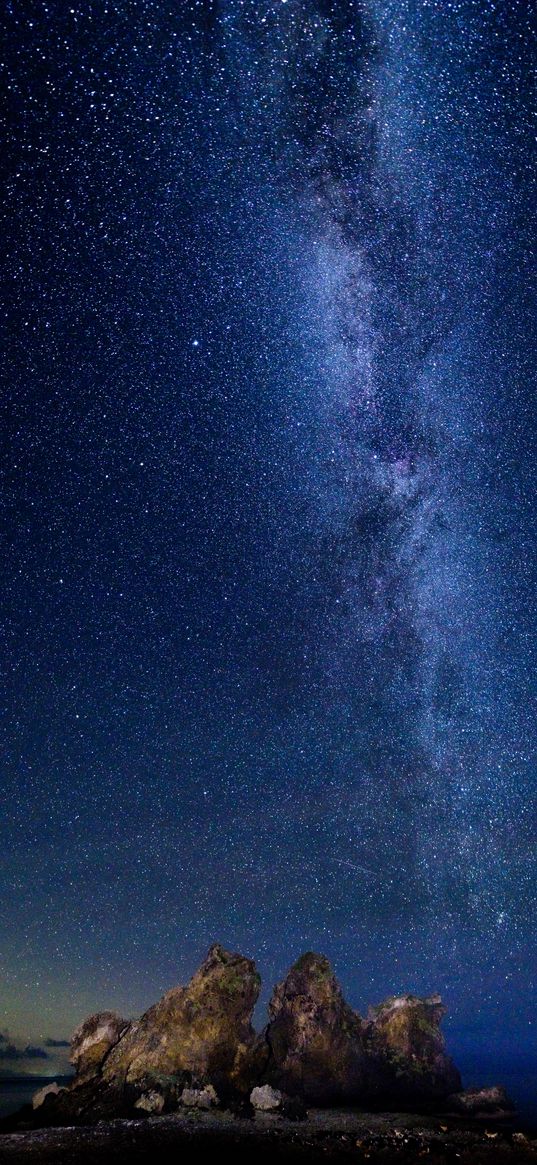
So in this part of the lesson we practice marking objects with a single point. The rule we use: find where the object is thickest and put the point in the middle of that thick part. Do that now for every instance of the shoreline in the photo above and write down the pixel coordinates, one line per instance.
(325, 1134)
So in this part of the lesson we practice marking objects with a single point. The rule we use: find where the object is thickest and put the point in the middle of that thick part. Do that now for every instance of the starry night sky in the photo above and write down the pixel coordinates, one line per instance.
(267, 502)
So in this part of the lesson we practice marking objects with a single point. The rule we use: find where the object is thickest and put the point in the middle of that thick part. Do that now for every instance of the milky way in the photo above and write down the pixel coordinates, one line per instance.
(268, 500)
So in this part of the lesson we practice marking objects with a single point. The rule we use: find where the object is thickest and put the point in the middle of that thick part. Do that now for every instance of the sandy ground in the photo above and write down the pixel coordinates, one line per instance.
(334, 1135)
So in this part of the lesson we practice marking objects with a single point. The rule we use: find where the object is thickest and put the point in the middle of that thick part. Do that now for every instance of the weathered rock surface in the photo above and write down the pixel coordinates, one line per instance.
(266, 1099)
(199, 1097)
(314, 1043)
(199, 1036)
(407, 1046)
(196, 1047)
(477, 1102)
(93, 1040)
(201, 1032)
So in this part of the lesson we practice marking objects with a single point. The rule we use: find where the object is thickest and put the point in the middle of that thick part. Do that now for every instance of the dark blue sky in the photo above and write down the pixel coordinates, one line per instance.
(268, 495)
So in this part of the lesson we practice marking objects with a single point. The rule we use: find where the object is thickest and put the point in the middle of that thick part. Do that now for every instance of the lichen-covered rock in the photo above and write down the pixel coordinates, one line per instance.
(202, 1032)
(199, 1097)
(314, 1045)
(196, 1047)
(408, 1049)
(266, 1099)
(477, 1102)
(92, 1041)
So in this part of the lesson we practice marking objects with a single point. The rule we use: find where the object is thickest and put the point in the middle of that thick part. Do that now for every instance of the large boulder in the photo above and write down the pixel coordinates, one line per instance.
(195, 1036)
(201, 1033)
(92, 1041)
(313, 1042)
(407, 1048)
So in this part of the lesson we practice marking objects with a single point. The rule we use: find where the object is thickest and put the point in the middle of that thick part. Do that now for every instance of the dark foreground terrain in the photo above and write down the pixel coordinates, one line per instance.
(326, 1135)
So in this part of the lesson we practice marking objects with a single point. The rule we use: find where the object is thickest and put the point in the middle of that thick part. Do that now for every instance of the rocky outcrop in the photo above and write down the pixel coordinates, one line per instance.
(482, 1102)
(201, 1033)
(196, 1039)
(407, 1048)
(93, 1040)
(314, 1043)
(196, 1047)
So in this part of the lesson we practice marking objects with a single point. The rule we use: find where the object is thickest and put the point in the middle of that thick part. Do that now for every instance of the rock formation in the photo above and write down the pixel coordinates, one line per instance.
(481, 1102)
(198, 1035)
(406, 1044)
(40, 1096)
(201, 1033)
(199, 1097)
(197, 1047)
(152, 1103)
(314, 1041)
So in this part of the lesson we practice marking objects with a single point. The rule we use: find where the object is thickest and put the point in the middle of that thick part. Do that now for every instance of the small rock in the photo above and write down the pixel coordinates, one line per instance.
(49, 1090)
(520, 1139)
(266, 1099)
(151, 1102)
(492, 1101)
(199, 1097)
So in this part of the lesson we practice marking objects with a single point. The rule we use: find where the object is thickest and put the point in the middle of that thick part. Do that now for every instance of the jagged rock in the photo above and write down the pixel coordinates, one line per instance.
(196, 1047)
(266, 1099)
(202, 1031)
(40, 1096)
(492, 1101)
(194, 1036)
(314, 1046)
(92, 1041)
(408, 1049)
(199, 1097)
(151, 1102)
